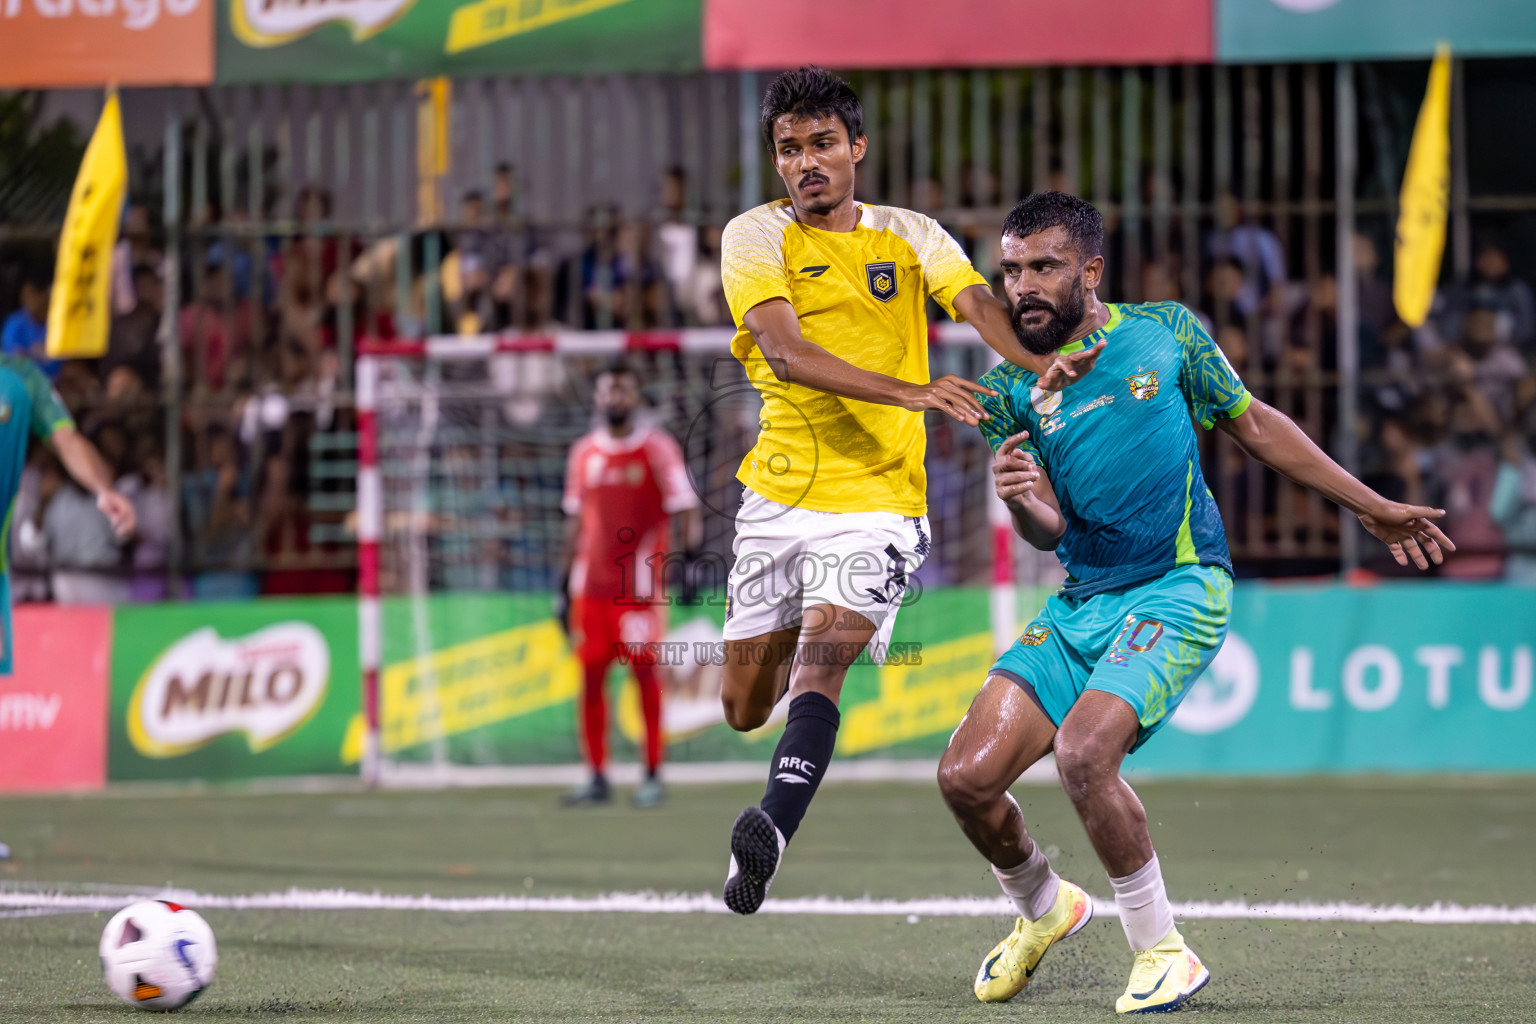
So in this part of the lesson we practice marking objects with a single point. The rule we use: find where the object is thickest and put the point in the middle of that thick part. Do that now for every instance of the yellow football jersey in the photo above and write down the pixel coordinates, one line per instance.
(860, 295)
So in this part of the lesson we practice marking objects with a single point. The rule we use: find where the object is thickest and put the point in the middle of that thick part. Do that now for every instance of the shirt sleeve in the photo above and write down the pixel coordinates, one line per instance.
(946, 270)
(1211, 387)
(48, 411)
(752, 268)
(570, 500)
(671, 473)
(1004, 420)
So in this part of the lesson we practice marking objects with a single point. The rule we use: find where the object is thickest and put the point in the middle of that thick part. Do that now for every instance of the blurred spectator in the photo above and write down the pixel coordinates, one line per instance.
(135, 248)
(25, 332)
(1466, 467)
(215, 332)
(135, 337)
(1256, 252)
(702, 296)
(85, 556)
(1493, 288)
(146, 488)
(216, 503)
(676, 237)
(1496, 367)
(1513, 506)
(28, 562)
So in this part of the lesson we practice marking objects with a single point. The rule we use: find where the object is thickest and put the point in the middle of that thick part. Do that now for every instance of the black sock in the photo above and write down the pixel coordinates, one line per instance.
(800, 760)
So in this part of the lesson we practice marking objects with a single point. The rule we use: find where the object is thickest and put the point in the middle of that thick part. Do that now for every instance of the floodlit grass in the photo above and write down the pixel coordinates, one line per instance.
(1464, 841)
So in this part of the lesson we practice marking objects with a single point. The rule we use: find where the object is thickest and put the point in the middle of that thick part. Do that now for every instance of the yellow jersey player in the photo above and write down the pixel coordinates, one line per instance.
(828, 296)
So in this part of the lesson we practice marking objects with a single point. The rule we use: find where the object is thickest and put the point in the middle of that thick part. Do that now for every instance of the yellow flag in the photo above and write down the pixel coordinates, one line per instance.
(80, 310)
(1425, 199)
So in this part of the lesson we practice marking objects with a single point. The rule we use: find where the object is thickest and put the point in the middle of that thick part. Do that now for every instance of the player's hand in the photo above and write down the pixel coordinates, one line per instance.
(1064, 369)
(953, 395)
(1409, 532)
(1014, 472)
(118, 510)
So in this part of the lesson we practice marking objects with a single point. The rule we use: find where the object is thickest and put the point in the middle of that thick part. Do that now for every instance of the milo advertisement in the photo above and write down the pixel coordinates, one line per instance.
(233, 690)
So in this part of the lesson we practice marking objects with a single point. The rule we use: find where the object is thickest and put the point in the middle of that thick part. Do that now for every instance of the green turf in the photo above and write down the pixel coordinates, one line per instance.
(1377, 842)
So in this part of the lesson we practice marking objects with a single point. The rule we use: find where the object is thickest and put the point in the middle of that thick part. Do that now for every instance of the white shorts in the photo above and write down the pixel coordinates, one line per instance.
(789, 560)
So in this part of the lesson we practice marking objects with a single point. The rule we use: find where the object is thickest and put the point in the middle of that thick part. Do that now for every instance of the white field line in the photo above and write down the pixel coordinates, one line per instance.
(709, 903)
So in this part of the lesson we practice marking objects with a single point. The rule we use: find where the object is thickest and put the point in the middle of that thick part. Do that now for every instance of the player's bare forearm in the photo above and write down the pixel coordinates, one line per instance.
(1409, 531)
(1039, 524)
(81, 460)
(1275, 440)
(84, 463)
(1023, 486)
(993, 320)
(776, 330)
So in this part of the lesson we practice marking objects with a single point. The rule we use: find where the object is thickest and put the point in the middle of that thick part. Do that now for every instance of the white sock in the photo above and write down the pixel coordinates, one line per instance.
(1144, 910)
(1031, 885)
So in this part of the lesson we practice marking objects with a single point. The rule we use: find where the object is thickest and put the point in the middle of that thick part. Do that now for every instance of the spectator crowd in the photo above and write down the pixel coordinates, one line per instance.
(268, 321)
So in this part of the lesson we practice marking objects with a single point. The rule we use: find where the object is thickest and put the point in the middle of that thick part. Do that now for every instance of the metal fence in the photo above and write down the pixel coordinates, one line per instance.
(295, 220)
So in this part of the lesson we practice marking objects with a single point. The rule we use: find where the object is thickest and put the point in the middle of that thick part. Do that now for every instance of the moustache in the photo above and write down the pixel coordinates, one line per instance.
(1029, 306)
(810, 179)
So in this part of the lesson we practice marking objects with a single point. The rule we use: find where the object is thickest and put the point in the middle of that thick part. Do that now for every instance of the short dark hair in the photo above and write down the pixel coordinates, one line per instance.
(810, 91)
(1041, 211)
(617, 367)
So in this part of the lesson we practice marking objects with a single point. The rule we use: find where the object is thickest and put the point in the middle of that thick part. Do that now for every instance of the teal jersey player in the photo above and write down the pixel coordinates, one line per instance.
(1120, 450)
(29, 407)
(1106, 472)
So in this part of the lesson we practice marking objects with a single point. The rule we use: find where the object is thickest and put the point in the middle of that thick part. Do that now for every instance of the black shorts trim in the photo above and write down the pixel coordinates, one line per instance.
(1023, 684)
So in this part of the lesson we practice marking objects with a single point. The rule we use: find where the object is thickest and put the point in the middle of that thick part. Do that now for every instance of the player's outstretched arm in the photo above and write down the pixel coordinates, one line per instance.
(994, 322)
(795, 360)
(1028, 493)
(1270, 436)
(89, 469)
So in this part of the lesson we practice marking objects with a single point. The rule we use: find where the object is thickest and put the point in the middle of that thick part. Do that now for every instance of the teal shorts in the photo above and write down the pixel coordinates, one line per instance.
(6, 665)
(1145, 644)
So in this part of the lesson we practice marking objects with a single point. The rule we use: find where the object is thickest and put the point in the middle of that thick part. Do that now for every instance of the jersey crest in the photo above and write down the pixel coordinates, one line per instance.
(1034, 636)
(1044, 402)
(1143, 385)
(882, 280)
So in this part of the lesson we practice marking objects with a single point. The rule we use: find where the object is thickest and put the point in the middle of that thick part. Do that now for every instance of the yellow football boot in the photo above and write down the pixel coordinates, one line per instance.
(1012, 962)
(1163, 977)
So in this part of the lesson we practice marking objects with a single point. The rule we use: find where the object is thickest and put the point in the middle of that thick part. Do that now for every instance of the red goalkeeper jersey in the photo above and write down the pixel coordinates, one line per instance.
(624, 489)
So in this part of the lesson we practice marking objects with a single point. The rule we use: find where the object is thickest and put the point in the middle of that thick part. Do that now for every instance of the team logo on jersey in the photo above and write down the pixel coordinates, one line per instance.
(1143, 385)
(1034, 636)
(1044, 402)
(882, 280)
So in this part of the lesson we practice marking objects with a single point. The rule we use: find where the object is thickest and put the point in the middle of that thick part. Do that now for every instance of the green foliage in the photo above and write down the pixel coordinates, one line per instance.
(37, 162)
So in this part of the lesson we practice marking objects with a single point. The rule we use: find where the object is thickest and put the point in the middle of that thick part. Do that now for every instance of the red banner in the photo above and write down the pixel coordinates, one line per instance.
(53, 710)
(55, 43)
(978, 33)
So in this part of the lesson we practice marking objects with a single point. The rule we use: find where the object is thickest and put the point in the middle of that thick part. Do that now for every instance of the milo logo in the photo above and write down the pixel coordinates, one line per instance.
(265, 685)
(274, 22)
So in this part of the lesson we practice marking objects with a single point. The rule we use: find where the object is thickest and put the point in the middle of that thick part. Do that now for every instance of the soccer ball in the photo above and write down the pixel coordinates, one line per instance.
(157, 955)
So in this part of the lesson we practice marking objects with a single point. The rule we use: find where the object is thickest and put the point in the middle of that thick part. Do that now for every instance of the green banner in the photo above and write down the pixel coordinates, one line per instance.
(231, 691)
(1320, 30)
(352, 40)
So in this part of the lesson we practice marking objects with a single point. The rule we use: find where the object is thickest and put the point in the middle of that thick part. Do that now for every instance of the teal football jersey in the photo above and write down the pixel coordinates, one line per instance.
(28, 407)
(1119, 447)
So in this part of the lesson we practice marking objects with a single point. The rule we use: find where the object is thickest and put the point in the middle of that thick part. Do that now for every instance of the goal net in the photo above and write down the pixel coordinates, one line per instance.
(462, 455)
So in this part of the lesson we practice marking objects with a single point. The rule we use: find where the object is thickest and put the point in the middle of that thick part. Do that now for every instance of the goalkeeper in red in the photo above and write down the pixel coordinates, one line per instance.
(1107, 473)
(624, 483)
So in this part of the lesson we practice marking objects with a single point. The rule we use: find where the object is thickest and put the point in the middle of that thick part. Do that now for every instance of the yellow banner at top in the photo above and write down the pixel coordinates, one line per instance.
(79, 312)
(1425, 199)
(486, 22)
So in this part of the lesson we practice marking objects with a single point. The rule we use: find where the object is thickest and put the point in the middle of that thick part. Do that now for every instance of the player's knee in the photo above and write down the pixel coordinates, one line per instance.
(742, 714)
(1085, 762)
(964, 787)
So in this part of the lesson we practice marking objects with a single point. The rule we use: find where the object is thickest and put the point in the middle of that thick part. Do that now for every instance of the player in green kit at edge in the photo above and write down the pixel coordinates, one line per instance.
(29, 407)
(1107, 473)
